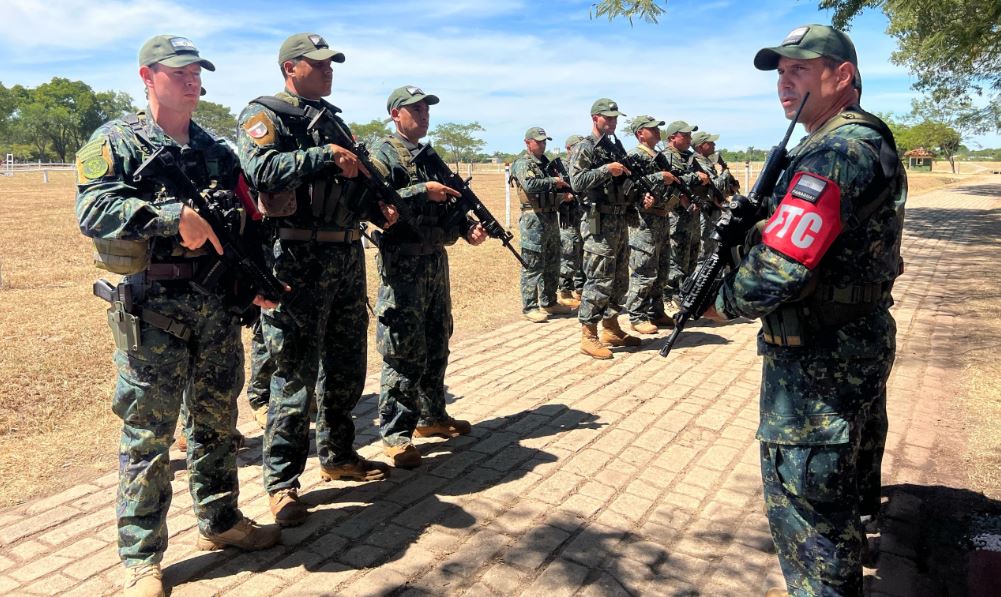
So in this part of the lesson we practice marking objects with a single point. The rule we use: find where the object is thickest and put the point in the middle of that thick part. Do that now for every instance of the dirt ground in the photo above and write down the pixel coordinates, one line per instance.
(56, 373)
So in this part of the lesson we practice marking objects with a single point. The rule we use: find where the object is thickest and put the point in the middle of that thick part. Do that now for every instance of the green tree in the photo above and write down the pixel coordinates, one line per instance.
(216, 119)
(937, 137)
(648, 10)
(371, 131)
(953, 48)
(459, 140)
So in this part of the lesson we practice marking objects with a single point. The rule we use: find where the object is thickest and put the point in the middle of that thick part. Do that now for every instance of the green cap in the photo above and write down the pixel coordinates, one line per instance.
(644, 122)
(307, 45)
(679, 126)
(807, 42)
(605, 107)
(537, 133)
(408, 94)
(703, 137)
(573, 140)
(171, 50)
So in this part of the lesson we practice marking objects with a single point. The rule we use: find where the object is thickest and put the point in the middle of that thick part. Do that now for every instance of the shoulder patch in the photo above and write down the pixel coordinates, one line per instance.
(94, 161)
(260, 128)
(807, 220)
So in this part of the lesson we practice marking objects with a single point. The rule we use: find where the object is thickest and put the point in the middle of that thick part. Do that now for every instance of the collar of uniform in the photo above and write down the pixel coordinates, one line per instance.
(299, 101)
(650, 152)
(157, 134)
(536, 159)
(406, 142)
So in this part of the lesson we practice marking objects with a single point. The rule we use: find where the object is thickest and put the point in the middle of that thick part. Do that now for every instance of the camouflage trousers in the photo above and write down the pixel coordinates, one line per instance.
(649, 263)
(262, 367)
(685, 240)
(540, 248)
(606, 268)
(206, 373)
(414, 312)
(708, 221)
(823, 429)
(321, 357)
(571, 252)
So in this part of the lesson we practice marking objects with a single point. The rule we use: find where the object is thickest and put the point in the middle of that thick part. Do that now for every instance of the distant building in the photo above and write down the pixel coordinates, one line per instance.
(919, 159)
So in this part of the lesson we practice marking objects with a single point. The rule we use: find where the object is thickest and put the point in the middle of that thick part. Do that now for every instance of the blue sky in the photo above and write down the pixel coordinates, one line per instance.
(507, 64)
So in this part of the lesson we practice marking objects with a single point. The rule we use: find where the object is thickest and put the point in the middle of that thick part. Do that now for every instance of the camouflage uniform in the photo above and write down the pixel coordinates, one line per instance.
(262, 367)
(414, 307)
(540, 241)
(708, 217)
(649, 249)
(828, 342)
(571, 247)
(317, 251)
(199, 360)
(684, 229)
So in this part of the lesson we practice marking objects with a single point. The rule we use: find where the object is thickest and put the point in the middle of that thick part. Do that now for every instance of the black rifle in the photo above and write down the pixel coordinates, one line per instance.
(164, 165)
(556, 167)
(637, 169)
(662, 162)
(467, 200)
(699, 291)
(713, 190)
(330, 128)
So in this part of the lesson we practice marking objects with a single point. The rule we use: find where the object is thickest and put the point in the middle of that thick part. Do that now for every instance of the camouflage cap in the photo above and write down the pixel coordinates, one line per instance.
(807, 42)
(307, 45)
(703, 137)
(537, 133)
(679, 126)
(573, 140)
(171, 50)
(408, 94)
(605, 107)
(644, 122)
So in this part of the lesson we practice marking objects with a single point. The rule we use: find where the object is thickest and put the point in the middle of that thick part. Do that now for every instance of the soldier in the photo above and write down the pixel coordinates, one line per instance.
(820, 278)
(309, 199)
(414, 308)
(649, 247)
(684, 231)
(539, 198)
(704, 145)
(595, 175)
(571, 246)
(169, 336)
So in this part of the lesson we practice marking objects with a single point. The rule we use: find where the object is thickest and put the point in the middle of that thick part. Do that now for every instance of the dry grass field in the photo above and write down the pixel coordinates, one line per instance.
(56, 374)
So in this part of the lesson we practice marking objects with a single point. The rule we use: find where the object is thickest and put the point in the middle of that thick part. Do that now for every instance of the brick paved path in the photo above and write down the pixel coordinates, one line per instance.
(635, 475)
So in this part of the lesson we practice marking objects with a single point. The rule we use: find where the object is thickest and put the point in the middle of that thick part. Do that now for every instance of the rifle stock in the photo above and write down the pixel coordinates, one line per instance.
(699, 291)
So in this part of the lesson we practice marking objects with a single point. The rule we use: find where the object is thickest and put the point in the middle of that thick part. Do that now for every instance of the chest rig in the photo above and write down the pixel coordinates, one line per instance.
(543, 203)
(431, 217)
(827, 304)
(324, 210)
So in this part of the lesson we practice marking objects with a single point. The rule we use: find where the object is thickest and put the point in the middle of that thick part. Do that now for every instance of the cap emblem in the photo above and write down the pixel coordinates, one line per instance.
(795, 36)
(182, 44)
(414, 90)
(317, 41)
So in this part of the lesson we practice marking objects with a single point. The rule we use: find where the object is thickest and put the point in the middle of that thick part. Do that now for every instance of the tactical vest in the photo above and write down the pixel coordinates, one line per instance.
(213, 165)
(611, 197)
(323, 201)
(546, 202)
(824, 306)
(431, 217)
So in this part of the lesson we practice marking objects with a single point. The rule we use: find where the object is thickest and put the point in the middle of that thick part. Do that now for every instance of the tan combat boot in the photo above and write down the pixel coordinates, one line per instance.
(286, 508)
(447, 428)
(644, 327)
(577, 295)
(557, 308)
(612, 334)
(663, 321)
(261, 416)
(776, 593)
(144, 580)
(245, 534)
(536, 316)
(589, 344)
(566, 298)
(403, 456)
(361, 470)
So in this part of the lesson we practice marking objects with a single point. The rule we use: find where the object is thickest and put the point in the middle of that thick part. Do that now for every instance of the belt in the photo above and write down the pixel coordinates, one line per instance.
(854, 294)
(612, 210)
(320, 236)
(780, 341)
(170, 271)
(122, 294)
(655, 211)
(414, 249)
(538, 210)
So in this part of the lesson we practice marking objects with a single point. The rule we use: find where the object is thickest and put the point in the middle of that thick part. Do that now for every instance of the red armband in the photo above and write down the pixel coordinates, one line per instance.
(807, 220)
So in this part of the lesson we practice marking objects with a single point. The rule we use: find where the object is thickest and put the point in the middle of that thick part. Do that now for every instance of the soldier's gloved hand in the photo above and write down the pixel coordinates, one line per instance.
(194, 231)
(390, 213)
(618, 169)
(347, 162)
(476, 235)
(438, 192)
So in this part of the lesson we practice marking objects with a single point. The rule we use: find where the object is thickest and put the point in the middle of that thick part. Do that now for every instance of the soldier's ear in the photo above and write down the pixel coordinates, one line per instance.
(146, 74)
